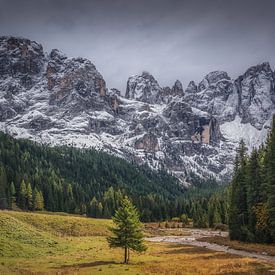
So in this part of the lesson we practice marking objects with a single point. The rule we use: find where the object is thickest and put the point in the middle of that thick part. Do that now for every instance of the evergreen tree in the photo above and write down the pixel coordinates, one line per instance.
(270, 177)
(238, 203)
(214, 211)
(22, 195)
(100, 210)
(29, 204)
(38, 200)
(254, 187)
(128, 229)
(254, 182)
(13, 194)
(4, 198)
(200, 219)
(93, 209)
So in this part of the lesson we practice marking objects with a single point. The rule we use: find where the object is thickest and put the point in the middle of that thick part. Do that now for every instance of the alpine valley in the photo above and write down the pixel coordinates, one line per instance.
(56, 100)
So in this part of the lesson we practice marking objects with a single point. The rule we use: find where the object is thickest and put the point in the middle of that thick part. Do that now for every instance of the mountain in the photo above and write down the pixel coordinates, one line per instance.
(56, 100)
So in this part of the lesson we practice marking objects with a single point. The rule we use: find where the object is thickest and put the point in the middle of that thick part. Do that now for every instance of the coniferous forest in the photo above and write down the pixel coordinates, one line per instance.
(252, 195)
(83, 181)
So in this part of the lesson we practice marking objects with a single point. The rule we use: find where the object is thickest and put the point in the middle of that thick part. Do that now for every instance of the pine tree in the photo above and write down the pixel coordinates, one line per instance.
(93, 208)
(22, 195)
(29, 203)
(270, 177)
(128, 229)
(3, 188)
(214, 211)
(13, 194)
(38, 200)
(100, 210)
(253, 192)
(238, 202)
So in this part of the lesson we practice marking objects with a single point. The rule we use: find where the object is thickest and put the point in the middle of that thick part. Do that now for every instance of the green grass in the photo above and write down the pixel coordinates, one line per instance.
(64, 244)
(61, 224)
(18, 238)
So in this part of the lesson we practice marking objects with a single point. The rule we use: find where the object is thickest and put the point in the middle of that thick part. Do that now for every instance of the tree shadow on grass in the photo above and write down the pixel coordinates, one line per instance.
(90, 264)
(202, 252)
(179, 249)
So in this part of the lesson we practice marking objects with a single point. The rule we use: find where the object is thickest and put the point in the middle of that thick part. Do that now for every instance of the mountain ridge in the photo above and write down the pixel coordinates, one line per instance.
(57, 100)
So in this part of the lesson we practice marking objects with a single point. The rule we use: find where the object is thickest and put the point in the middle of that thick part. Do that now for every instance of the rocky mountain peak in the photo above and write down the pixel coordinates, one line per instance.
(20, 56)
(216, 76)
(56, 55)
(212, 79)
(177, 89)
(211, 96)
(256, 90)
(190, 92)
(28, 76)
(144, 88)
(192, 87)
(263, 68)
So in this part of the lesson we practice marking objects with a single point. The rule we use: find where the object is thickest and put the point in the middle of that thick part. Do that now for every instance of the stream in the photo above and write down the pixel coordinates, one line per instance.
(192, 239)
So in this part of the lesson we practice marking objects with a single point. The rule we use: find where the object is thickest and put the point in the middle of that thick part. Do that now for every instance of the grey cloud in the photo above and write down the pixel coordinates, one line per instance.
(172, 39)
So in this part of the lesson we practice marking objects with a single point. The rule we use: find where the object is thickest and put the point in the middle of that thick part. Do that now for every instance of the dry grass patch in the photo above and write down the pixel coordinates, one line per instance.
(178, 259)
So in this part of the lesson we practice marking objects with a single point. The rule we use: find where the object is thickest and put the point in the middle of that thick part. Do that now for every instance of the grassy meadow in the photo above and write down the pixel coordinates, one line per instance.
(47, 243)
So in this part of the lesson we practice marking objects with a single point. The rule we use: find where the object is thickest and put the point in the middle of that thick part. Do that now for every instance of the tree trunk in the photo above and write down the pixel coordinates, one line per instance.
(125, 255)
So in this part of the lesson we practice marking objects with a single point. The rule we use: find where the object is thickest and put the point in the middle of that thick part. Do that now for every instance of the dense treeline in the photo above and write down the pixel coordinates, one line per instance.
(75, 181)
(85, 181)
(206, 206)
(252, 199)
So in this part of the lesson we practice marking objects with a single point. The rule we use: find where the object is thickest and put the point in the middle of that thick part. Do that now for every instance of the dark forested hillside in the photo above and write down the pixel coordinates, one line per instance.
(85, 181)
(76, 180)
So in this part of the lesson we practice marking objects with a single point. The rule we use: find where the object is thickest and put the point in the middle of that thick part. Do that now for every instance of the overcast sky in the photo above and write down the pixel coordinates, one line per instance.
(172, 39)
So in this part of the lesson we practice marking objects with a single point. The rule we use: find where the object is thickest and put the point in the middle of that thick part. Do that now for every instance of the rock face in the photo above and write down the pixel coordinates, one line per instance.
(250, 96)
(256, 95)
(177, 89)
(215, 94)
(148, 143)
(144, 88)
(46, 88)
(57, 100)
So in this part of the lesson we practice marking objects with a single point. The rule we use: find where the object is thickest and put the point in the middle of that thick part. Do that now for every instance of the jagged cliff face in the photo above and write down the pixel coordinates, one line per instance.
(57, 100)
(145, 88)
(216, 94)
(256, 95)
(250, 96)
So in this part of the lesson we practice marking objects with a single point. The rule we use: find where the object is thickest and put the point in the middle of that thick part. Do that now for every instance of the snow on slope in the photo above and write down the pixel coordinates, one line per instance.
(236, 130)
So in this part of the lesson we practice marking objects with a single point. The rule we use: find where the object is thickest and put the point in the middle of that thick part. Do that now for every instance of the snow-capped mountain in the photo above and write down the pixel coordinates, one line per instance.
(57, 100)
